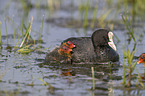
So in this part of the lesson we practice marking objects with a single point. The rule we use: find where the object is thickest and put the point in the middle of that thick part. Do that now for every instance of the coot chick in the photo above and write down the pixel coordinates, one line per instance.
(60, 54)
(141, 59)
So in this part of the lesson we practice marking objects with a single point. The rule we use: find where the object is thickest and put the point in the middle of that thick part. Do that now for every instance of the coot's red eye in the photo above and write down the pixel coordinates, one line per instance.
(105, 36)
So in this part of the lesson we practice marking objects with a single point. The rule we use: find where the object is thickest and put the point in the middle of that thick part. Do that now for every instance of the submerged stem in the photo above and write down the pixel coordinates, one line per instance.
(93, 78)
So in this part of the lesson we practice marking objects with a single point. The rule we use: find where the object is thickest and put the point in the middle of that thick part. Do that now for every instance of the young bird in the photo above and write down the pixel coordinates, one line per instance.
(65, 51)
(141, 59)
(61, 53)
(69, 44)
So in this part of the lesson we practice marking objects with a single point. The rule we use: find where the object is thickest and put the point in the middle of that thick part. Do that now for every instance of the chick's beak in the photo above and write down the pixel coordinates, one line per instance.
(70, 50)
(138, 62)
(74, 46)
(141, 61)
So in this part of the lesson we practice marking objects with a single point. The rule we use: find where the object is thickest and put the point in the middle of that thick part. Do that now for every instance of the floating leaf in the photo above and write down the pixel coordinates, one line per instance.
(24, 51)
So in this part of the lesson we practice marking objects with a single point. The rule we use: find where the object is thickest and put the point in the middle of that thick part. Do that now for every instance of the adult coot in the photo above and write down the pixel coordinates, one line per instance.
(99, 48)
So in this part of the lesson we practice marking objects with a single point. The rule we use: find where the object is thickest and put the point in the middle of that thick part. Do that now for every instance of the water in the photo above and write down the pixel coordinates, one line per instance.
(21, 74)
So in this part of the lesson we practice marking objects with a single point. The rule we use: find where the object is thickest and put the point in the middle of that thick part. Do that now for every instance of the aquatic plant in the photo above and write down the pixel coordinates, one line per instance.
(10, 93)
(94, 16)
(50, 87)
(40, 32)
(84, 9)
(26, 39)
(6, 31)
(0, 34)
(14, 31)
(139, 79)
(137, 8)
(127, 54)
(102, 19)
(28, 43)
(86, 15)
(26, 5)
(93, 78)
(27, 34)
(25, 50)
(130, 67)
(80, 9)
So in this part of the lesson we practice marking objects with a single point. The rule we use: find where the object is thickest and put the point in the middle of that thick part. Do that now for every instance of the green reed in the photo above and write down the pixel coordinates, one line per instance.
(93, 78)
(11, 93)
(6, 31)
(25, 49)
(86, 15)
(94, 16)
(139, 5)
(0, 34)
(140, 80)
(129, 28)
(102, 19)
(109, 2)
(124, 66)
(50, 87)
(20, 35)
(130, 67)
(41, 31)
(136, 7)
(126, 52)
(80, 9)
(27, 34)
(26, 5)
(17, 27)
(28, 42)
(14, 31)
(53, 5)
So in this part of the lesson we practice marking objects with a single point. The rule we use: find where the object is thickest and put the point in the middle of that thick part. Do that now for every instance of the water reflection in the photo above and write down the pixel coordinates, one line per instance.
(101, 71)
(77, 72)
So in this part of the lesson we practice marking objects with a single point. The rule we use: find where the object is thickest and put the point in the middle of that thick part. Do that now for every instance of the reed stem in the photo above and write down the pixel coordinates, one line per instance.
(93, 77)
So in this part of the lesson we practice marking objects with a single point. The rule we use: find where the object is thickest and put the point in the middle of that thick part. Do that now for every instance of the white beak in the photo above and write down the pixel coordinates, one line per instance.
(111, 43)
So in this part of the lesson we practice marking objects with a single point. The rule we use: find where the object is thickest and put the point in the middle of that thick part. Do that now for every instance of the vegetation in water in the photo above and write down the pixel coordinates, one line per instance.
(89, 18)
(127, 54)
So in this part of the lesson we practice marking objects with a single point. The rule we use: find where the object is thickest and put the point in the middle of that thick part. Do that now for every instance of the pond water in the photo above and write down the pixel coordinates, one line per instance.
(23, 74)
